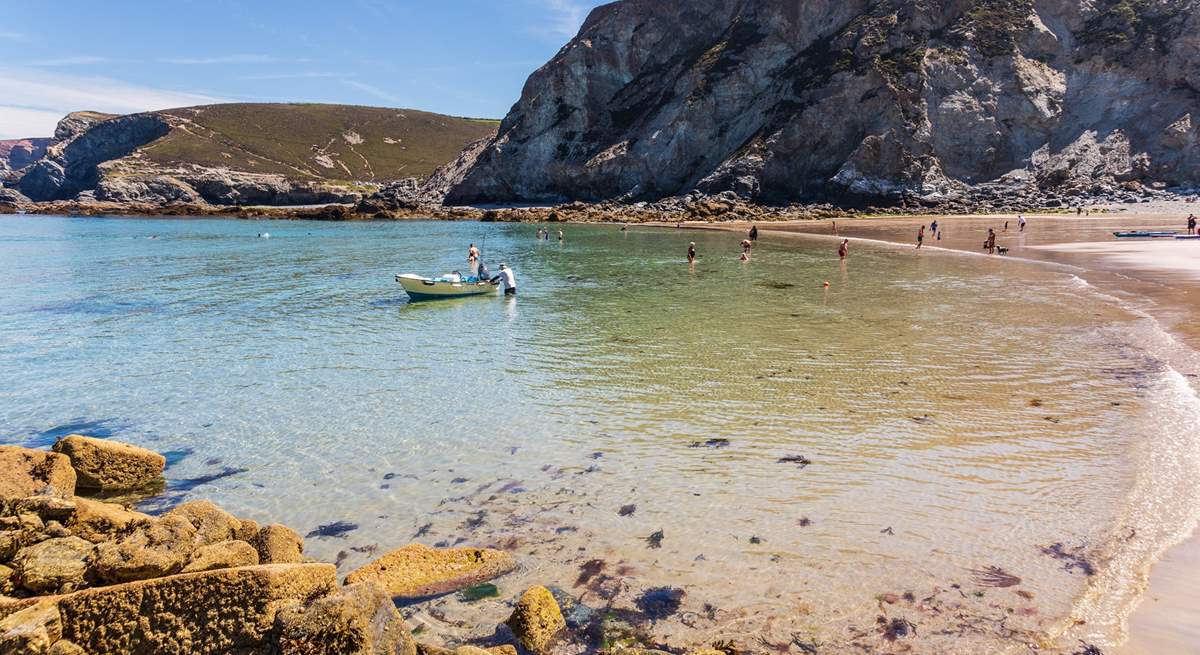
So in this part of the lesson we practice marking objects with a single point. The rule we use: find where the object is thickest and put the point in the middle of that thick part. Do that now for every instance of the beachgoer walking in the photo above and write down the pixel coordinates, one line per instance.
(1021, 222)
(920, 237)
(692, 253)
(1005, 226)
(933, 227)
(753, 232)
(990, 244)
(507, 279)
(1191, 224)
(844, 249)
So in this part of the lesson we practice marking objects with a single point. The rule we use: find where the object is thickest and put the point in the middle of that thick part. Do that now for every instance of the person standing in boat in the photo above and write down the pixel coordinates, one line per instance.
(473, 259)
(507, 279)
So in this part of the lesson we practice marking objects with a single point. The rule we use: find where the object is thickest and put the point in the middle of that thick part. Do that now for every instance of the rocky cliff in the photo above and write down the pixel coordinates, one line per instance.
(19, 153)
(236, 154)
(844, 100)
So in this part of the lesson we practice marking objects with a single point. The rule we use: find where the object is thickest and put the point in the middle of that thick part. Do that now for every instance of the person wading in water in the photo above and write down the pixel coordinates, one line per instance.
(692, 253)
(844, 249)
(753, 232)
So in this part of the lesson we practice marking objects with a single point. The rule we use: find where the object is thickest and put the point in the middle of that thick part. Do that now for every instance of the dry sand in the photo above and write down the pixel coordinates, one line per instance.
(1160, 276)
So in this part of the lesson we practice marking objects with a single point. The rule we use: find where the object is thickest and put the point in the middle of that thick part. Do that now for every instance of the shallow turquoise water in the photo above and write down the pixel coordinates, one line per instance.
(958, 412)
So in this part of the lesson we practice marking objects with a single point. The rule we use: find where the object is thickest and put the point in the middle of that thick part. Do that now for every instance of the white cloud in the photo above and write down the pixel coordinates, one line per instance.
(19, 123)
(565, 16)
(374, 91)
(31, 104)
(289, 76)
(231, 59)
(71, 61)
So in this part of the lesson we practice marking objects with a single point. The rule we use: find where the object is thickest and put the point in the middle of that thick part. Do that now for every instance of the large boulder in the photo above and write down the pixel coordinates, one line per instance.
(98, 521)
(31, 631)
(417, 571)
(222, 555)
(210, 613)
(278, 544)
(537, 621)
(53, 565)
(213, 524)
(161, 547)
(28, 471)
(361, 619)
(104, 464)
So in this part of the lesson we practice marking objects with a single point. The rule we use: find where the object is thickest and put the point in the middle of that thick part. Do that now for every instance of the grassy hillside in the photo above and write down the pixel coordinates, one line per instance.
(332, 142)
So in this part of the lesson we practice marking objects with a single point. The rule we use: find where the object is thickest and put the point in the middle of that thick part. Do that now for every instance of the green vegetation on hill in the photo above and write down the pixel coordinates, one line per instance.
(314, 141)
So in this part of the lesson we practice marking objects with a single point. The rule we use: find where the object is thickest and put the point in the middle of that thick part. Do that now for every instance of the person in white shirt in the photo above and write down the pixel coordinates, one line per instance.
(507, 279)
(1021, 222)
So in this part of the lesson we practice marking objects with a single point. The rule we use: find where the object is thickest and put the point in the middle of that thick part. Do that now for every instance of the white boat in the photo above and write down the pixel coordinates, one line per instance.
(424, 288)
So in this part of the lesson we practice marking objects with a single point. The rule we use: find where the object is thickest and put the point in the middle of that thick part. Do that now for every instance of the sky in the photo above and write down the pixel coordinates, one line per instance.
(458, 57)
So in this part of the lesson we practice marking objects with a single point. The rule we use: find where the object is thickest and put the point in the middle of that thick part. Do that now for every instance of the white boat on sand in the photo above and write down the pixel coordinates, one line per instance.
(424, 288)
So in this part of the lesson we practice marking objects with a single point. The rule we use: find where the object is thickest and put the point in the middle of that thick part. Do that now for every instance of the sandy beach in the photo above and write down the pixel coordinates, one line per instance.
(1160, 277)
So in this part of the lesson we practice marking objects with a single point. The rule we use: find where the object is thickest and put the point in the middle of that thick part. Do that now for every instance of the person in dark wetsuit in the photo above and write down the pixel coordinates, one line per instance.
(753, 232)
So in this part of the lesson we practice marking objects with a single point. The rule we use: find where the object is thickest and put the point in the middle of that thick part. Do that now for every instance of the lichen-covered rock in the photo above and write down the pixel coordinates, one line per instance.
(6, 579)
(360, 619)
(161, 547)
(47, 506)
(98, 521)
(211, 613)
(537, 622)
(105, 464)
(27, 472)
(53, 565)
(416, 570)
(430, 649)
(278, 544)
(31, 631)
(64, 647)
(222, 555)
(213, 524)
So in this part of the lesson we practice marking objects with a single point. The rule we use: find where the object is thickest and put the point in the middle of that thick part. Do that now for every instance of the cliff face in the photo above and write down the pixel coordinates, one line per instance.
(781, 100)
(16, 154)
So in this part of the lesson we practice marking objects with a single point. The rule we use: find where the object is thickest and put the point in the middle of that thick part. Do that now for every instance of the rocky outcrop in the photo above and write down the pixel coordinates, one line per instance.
(16, 154)
(72, 166)
(417, 571)
(104, 464)
(853, 101)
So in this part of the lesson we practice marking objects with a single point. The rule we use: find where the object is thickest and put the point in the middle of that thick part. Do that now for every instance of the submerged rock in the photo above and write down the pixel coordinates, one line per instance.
(418, 571)
(104, 464)
(537, 622)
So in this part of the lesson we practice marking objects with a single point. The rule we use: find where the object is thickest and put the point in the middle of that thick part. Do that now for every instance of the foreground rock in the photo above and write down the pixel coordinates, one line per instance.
(360, 619)
(27, 472)
(104, 464)
(418, 571)
(537, 621)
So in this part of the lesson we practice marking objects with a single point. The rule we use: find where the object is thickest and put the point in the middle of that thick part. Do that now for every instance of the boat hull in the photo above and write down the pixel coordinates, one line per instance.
(420, 288)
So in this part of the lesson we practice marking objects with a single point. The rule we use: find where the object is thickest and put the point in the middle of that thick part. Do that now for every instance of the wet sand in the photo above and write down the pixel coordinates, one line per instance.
(1159, 276)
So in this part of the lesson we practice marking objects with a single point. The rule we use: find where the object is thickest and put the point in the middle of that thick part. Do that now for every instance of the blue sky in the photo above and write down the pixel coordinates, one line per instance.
(461, 57)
